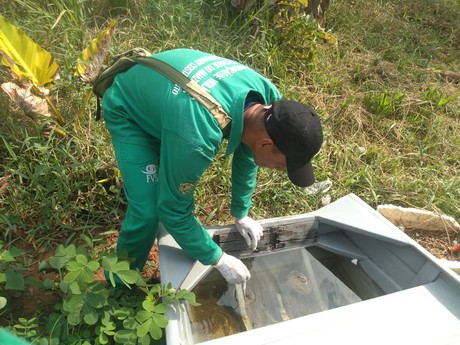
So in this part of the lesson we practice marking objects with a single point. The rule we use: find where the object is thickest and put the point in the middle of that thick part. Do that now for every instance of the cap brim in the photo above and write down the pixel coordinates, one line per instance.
(301, 175)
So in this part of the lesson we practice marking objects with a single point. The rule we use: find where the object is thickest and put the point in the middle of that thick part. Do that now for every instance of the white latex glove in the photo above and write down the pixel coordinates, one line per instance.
(250, 230)
(232, 269)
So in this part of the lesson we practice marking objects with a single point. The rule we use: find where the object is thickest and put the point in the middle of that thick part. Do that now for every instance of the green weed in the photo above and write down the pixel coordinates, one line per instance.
(127, 312)
(385, 104)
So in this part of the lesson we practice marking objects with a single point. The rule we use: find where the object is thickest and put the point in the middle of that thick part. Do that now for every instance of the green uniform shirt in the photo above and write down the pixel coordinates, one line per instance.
(187, 136)
(7, 338)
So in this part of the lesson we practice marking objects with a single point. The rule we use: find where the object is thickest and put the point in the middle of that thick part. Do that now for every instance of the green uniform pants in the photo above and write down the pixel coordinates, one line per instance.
(138, 165)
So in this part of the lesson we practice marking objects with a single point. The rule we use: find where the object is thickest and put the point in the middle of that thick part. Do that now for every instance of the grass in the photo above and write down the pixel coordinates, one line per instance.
(392, 129)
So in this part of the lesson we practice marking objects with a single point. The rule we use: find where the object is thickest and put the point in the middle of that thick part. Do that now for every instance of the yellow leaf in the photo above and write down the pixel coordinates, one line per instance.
(92, 58)
(329, 38)
(26, 59)
(304, 3)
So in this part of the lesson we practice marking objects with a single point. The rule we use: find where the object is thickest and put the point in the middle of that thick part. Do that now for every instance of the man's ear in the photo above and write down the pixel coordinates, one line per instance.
(265, 141)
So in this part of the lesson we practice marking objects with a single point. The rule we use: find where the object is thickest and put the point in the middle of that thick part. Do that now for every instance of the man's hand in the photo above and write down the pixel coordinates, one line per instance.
(250, 230)
(232, 269)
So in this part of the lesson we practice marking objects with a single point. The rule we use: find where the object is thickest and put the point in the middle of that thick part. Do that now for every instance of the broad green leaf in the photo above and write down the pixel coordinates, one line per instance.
(55, 341)
(74, 319)
(109, 261)
(145, 340)
(156, 289)
(75, 288)
(128, 276)
(168, 299)
(71, 276)
(14, 280)
(160, 308)
(112, 279)
(81, 250)
(181, 294)
(60, 250)
(26, 59)
(74, 304)
(73, 266)
(43, 265)
(110, 328)
(148, 305)
(100, 289)
(81, 259)
(58, 262)
(45, 342)
(6, 256)
(124, 336)
(155, 331)
(122, 313)
(92, 58)
(169, 290)
(93, 265)
(91, 318)
(32, 282)
(120, 266)
(144, 328)
(96, 300)
(105, 319)
(103, 338)
(70, 250)
(140, 281)
(143, 315)
(160, 320)
(87, 240)
(64, 287)
(16, 251)
(48, 284)
(130, 323)
(187, 296)
(87, 275)
(3, 302)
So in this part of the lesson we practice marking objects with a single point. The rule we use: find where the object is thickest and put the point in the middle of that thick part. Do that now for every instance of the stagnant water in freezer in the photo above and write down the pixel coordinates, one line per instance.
(284, 285)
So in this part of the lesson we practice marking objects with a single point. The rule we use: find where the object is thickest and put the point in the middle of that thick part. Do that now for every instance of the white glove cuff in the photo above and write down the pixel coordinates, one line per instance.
(220, 262)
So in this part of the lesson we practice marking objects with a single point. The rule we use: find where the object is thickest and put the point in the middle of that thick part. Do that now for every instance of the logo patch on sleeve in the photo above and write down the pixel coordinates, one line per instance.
(186, 187)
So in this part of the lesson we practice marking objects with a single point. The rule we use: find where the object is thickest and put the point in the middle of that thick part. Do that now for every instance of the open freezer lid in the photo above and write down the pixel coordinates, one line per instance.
(353, 214)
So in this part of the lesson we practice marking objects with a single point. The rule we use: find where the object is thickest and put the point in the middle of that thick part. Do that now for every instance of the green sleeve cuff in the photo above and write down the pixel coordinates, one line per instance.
(216, 256)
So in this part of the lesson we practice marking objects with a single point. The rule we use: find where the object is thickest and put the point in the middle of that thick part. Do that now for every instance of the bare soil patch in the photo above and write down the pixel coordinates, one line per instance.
(438, 242)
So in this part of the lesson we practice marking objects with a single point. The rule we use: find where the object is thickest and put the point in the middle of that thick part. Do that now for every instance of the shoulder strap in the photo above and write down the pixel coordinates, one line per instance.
(120, 63)
(190, 86)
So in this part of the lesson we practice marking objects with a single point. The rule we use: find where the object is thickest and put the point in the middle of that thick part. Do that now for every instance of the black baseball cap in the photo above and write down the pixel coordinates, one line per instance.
(296, 130)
